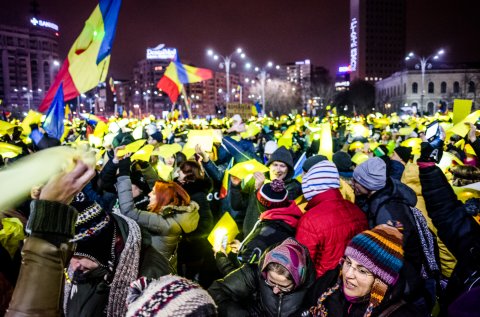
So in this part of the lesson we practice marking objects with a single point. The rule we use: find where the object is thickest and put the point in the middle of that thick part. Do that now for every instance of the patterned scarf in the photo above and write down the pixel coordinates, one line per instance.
(125, 273)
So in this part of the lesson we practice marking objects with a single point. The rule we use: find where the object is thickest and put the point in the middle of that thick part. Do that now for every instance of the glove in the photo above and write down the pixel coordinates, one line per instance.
(124, 167)
(431, 152)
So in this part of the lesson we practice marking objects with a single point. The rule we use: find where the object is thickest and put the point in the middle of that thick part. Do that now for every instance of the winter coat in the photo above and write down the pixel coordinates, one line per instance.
(337, 305)
(411, 178)
(458, 230)
(274, 226)
(392, 203)
(244, 292)
(45, 254)
(167, 227)
(329, 223)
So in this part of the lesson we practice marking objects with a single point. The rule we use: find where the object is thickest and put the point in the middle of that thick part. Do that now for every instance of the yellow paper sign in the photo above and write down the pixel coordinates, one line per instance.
(131, 148)
(241, 170)
(461, 128)
(202, 137)
(226, 228)
(326, 144)
(143, 154)
(461, 109)
(167, 150)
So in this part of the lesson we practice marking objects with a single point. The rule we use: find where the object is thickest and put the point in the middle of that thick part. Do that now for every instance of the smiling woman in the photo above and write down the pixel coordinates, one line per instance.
(369, 277)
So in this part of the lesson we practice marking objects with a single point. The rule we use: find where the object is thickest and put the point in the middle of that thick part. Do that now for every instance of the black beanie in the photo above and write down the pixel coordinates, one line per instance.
(404, 152)
(158, 136)
(282, 155)
(312, 160)
(343, 161)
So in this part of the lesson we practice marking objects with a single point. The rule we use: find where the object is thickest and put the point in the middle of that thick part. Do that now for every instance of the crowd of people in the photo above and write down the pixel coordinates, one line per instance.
(337, 216)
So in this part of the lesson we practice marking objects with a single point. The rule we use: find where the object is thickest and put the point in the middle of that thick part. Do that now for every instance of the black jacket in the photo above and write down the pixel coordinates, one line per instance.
(245, 293)
(393, 203)
(458, 230)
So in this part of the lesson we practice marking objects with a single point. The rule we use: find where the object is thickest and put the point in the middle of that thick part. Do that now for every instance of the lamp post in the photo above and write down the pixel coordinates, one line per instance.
(423, 64)
(262, 78)
(227, 63)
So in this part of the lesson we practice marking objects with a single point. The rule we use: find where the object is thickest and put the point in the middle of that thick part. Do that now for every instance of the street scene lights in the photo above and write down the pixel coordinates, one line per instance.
(226, 61)
(423, 64)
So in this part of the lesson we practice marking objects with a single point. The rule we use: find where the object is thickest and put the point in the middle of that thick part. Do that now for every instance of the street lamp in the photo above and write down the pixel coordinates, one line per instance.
(423, 64)
(227, 63)
(262, 77)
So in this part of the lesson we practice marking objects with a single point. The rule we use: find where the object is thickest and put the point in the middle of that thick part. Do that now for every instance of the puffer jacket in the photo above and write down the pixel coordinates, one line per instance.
(245, 293)
(411, 178)
(329, 223)
(166, 228)
(392, 203)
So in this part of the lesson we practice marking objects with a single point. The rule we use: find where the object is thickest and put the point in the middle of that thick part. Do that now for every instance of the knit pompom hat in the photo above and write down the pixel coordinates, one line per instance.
(168, 296)
(380, 251)
(320, 178)
(273, 195)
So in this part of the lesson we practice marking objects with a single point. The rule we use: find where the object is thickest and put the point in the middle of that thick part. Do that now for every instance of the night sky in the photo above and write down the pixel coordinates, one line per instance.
(281, 31)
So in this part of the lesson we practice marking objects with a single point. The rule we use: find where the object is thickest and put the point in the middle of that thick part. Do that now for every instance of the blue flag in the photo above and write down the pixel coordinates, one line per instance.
(298, 166)
(53, 123)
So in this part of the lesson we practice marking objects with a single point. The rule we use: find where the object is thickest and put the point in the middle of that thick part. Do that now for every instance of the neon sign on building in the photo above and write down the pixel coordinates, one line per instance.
(44, 24)
(353, 44)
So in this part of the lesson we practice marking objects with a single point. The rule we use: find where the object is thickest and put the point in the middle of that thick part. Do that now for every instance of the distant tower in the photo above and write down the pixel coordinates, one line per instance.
(377, 38)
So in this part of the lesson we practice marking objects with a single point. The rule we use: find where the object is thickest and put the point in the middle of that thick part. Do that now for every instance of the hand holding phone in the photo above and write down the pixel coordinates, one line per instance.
(432, 132)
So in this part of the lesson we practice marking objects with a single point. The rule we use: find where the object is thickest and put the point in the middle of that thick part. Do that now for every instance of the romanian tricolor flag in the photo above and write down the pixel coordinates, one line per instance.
(87, 62)
(226, 179)
(178, 74)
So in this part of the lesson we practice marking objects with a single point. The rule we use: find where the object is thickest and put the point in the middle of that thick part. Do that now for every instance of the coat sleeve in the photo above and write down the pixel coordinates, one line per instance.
(476, 147)
(213, 171)
(231, 293)
(150, 174)
(151, 221)
(455, 227)
(108, 176)
(205, 223)
(44, 257)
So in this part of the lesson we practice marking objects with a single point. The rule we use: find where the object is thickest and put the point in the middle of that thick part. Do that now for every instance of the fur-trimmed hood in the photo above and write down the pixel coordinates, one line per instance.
(186, 216)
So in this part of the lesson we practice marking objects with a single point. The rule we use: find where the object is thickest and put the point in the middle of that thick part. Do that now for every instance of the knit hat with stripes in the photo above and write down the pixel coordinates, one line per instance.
(379, 250)
(170, 296)
(319, 178)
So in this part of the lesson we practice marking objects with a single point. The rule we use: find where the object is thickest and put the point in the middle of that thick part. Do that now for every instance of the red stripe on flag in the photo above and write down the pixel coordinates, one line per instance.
(169, 87)
(69, 89)
(204, 73)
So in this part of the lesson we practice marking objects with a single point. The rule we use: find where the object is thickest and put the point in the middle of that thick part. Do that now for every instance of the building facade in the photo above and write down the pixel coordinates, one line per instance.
(404, 89)
(377, 38)
(29, 62)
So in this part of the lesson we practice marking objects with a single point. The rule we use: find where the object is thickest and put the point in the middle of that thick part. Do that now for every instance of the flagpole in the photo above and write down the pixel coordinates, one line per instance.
(184, 94)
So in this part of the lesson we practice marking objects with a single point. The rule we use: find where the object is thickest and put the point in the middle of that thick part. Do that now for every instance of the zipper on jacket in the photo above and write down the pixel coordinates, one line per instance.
(280, 305)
